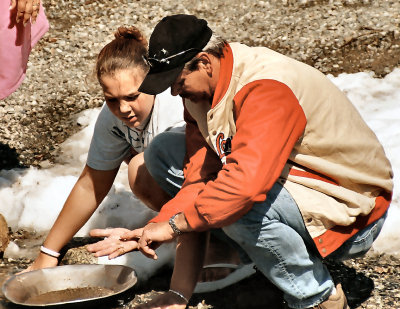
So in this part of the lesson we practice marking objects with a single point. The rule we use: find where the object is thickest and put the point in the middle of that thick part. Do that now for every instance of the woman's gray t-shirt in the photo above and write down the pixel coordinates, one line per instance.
(112, 140)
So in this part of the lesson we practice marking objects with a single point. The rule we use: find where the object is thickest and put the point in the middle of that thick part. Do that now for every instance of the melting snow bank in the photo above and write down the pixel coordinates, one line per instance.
(378, 102)
(32, 198)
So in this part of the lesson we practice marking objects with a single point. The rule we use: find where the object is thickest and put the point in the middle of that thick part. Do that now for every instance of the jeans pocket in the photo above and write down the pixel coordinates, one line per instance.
(366, 236)
(358, 245)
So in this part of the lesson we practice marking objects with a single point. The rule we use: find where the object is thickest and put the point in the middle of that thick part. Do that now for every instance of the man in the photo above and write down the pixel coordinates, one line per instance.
(276, 156)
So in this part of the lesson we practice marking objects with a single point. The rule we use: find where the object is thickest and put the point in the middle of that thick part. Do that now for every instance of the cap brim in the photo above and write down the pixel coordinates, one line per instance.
(155, 83)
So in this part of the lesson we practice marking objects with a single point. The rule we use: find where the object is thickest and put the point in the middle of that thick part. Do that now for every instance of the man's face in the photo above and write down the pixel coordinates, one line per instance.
(193, 85)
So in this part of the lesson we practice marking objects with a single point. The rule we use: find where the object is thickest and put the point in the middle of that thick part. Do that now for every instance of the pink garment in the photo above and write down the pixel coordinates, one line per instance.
(16, 42)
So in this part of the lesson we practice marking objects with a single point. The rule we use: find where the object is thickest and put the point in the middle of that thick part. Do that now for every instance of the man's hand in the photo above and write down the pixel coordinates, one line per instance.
(26, 9)
(152, 236)
(113, 244)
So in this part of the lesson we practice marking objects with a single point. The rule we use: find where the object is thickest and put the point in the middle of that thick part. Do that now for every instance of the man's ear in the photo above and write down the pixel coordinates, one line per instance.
(205, 62)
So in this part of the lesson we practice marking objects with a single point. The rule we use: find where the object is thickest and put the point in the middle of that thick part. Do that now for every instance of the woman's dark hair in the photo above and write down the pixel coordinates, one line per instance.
(126, 51)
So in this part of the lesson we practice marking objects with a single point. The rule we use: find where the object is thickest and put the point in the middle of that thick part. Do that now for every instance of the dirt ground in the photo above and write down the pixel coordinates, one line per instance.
(370, 282)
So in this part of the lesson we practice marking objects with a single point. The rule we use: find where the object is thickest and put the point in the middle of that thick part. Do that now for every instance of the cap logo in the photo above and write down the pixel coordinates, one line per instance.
(155, 61)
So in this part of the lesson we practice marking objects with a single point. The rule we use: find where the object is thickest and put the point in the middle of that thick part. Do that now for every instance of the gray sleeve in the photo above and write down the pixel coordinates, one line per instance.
(109, 146)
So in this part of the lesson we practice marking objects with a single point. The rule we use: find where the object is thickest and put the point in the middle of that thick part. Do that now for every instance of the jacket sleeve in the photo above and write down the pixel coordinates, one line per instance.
(201, 165)
(269, 122)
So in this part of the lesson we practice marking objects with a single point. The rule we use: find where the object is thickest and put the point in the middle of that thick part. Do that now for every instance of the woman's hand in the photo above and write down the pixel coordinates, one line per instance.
(26, 10)
(113, 245)
(42, 261)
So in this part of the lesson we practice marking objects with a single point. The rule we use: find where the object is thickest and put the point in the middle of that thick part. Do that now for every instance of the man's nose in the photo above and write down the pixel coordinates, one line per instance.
(124, 107)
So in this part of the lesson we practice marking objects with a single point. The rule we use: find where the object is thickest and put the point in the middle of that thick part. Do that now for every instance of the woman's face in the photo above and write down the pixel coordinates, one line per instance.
(123, 99)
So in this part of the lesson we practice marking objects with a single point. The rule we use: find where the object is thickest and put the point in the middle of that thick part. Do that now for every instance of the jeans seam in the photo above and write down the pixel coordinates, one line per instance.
(366, 237)
(314, 303)
(283, 268)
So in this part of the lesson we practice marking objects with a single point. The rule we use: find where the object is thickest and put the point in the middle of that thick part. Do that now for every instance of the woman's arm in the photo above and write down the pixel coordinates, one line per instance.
(88, 192)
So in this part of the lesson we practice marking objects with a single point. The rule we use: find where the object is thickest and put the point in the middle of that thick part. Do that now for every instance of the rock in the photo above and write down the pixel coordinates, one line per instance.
(4, 236)
(78, 255)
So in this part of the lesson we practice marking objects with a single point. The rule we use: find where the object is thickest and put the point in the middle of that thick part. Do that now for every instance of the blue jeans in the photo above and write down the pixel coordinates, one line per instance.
(272, 233)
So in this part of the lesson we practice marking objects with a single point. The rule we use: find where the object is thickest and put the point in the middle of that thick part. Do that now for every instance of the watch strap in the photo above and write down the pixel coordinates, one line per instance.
(173, 225)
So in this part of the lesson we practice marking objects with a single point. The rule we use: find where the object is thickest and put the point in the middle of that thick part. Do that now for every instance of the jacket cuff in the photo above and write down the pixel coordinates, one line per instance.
(196, 222)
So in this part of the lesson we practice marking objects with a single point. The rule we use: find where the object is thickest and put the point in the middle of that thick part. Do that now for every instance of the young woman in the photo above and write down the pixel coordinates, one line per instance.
(126, 125)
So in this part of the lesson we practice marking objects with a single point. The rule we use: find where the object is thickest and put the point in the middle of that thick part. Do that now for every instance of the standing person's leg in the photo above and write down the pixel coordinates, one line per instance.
(274, 236)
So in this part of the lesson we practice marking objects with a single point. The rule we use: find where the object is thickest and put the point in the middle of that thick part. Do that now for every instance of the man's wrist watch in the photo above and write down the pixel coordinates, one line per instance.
(173, 225)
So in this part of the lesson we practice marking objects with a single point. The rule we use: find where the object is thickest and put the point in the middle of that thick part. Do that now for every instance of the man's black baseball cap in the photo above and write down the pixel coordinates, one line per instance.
(175, 40)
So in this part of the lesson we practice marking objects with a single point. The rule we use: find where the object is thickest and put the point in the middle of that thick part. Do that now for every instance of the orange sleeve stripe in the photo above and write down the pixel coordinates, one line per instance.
(335, 237)
(312, 175)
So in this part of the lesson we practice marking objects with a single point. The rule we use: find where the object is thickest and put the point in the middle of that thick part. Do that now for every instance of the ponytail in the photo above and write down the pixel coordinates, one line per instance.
(126, 51)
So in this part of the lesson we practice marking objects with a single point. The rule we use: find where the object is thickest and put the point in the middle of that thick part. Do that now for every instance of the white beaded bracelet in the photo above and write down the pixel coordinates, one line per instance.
(49, 252)
(179, 294)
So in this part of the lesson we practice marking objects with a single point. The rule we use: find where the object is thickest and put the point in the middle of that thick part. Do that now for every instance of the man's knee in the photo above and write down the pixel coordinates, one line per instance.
(165, 150)
(239, 233)
(153, 154)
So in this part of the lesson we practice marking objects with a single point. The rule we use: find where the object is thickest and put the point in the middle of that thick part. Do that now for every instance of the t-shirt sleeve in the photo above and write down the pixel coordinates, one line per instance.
(108, 147)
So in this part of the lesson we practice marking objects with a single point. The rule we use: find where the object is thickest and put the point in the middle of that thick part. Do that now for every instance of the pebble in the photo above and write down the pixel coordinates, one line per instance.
(4, 236)
(333, 36)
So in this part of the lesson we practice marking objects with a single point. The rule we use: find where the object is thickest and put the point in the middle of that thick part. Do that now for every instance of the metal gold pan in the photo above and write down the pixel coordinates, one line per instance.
(19, 289)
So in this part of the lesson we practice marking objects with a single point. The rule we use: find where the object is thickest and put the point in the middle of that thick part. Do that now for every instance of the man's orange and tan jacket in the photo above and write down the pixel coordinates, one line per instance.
(276, 119)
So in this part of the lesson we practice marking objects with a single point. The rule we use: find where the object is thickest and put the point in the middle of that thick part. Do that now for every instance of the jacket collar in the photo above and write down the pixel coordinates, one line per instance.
(225, 75)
